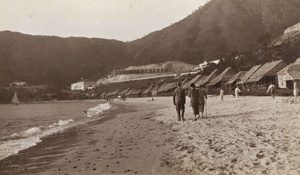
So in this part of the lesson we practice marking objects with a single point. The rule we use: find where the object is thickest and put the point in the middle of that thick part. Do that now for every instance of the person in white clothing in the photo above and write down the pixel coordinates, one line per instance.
(296, 90)
(221, 93)
(237, 92)
(271, 89)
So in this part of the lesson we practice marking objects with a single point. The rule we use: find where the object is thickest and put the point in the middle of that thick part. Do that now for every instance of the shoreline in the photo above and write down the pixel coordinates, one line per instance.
(30, 160)
(100, 142)
(252, 135)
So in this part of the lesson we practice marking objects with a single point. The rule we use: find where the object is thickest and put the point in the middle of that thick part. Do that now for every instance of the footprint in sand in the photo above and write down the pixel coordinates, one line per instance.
(260, 155)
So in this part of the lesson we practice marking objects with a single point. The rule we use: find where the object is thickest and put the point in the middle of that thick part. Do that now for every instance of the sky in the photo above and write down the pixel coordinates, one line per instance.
(124, 20)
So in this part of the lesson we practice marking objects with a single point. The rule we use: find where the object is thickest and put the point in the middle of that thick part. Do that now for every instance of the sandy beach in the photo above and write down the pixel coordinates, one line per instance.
(252, 135)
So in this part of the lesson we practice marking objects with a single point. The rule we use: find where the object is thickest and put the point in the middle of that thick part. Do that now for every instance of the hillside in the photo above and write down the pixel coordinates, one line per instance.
(56, 61)
(221, 28)
(217, 29)
(146, 71)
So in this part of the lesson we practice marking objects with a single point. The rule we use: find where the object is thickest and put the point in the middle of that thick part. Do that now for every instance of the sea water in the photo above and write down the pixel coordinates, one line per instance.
(24, 125)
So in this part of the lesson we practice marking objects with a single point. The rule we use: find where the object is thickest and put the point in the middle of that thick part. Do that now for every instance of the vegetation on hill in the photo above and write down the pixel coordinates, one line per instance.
(216, 30)
(56, 61)
(237, 30)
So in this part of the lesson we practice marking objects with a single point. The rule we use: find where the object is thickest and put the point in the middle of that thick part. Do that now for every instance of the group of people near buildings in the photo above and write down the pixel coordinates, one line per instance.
(197, 96)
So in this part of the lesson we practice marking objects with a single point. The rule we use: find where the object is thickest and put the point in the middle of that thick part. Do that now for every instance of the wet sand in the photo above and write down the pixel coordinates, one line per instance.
(252, 135)
(127, 141)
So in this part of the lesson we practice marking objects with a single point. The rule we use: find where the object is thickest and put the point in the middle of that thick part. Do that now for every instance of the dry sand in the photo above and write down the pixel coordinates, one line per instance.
(252, 135)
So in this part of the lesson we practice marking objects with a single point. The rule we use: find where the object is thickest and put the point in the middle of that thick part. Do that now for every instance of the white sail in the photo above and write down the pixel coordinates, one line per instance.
(15, 99)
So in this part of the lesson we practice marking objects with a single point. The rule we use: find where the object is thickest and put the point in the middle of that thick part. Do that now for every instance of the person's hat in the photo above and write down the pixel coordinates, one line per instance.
(178, 83)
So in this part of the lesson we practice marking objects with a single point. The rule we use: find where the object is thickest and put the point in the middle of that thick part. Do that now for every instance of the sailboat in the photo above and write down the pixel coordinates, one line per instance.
(15, 99)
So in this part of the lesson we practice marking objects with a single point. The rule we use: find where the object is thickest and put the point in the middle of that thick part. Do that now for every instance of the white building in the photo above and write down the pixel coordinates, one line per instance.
(205, 64)
(294, 28)
(83, 85)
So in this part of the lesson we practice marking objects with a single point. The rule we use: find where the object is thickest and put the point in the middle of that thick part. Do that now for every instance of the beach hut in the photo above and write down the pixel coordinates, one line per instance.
(154, 90)
(136, 93)
(184, 78)
(115, 93)
(147, 92)
(167, 89)
(109, 93)
(288, 75)
(208, 78)
(170, 89)
(221, 79)
(128, 93)
(123, 92)
(247, 75)
(161, 87)
(102, 95)
(195, 79)
(233, 80)
(265, 75)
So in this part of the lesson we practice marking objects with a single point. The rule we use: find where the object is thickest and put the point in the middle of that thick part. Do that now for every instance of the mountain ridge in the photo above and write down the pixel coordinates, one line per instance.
(221, 28)
(218, 28)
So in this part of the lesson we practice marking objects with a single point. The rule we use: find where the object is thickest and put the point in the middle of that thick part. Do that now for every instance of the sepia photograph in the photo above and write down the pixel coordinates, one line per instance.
(149, 87)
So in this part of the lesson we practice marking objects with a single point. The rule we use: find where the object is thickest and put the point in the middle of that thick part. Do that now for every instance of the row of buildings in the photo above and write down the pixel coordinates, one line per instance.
(258, 77)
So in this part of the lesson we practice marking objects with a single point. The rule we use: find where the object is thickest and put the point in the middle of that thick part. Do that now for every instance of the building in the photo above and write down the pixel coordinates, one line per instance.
(220, 80)
(247, 75)
(294, 28)
(288, 75)
(265, 75)
(18, 84)
(167, 89)
(205, 64)
(207, 79)
(233, 80)
(83, 85)
(186, 85)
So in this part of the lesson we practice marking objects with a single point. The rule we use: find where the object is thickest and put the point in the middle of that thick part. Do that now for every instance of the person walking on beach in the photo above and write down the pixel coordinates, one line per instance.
(237, 92)
(296, 90)
(202, 99)
(179, 101)
(271, 89)
(194, 100)
(221, 94)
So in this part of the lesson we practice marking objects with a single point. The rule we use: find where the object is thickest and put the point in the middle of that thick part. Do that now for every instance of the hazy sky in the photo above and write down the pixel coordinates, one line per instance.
(124, 20)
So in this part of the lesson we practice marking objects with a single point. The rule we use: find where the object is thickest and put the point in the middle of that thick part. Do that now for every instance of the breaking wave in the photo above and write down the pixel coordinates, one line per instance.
(19, 141)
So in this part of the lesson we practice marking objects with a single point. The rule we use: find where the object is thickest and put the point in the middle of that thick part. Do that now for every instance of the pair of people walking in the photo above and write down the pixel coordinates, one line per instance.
(197, 97)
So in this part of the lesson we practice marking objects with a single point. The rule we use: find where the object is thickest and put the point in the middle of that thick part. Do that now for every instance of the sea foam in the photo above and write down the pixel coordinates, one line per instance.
(92, 112)
(23, 140)
(19, 141)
